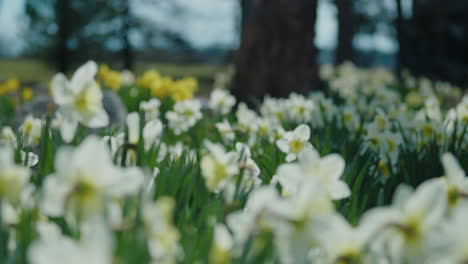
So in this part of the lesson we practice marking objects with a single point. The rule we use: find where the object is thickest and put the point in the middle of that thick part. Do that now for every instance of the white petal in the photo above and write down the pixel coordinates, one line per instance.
(94, 157)
(68, 129)
(9, 215)
(339, 190)
(31, 158)
(128, 182)
(291, 157)
(452, 168)
(6, 157)
(374, 219)
(84, 76)
(61, 90)
(402, 195)
(429, 201)
(222, 237)
(53, 203)
(100, 119)
(290, 176)
(283, 145)
(64, 159)
(333, 165)
(303, 132)
(133, 125)
(151, 132)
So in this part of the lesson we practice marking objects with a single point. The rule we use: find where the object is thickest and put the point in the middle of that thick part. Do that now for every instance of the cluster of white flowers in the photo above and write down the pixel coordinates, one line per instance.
(270, 183)
(419, 227)
(79, 100)
(221, 101)
(184, 116)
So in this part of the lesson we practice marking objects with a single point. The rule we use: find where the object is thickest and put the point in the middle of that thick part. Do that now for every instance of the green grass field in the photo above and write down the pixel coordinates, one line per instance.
(31, 70)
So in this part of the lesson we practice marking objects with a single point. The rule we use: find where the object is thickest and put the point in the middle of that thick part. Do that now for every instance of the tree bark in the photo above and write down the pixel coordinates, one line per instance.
(401, 44)
(127, 50)
(63, 8)
(346, 30)
(246, 13)
(277, 55)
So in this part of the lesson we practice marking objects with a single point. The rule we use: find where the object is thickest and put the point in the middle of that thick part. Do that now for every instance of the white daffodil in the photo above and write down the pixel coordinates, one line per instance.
(114, 142)
(449, 243)
(296, 218)
(295, 142)
(8, 137)
(133, 125)
(10, 216)
(151, 131)
(13, 178)
(176, 151)
(221, 101)
(31, 130)
(324, 171)
(455, 179)
(84, 180)
(226, 130)
(222, 245)
(248, 173)
(79, 100)
(29, 159)
(150, 108)
(343, 243)
(265, 127)
(251, 171)
(127, 78)
(163, 236)
(255, 217)
(300, 108)
(94, 247)
(408, 224)
(274, 108)
(218, 166)
(184, 116)
(246, 118)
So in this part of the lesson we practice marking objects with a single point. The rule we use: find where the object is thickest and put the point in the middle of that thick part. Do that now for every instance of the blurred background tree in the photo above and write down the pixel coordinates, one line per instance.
(346, 30)
(73, 31)
(434, 40)
(66, 31)
(277, 55)
(428, 37)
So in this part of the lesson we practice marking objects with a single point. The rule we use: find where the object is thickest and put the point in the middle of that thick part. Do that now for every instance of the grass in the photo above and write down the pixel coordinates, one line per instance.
(33, 70)
(26, 70)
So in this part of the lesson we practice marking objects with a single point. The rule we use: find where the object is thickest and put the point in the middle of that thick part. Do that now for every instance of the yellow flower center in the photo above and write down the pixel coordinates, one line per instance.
(296, 146)
(28, 126)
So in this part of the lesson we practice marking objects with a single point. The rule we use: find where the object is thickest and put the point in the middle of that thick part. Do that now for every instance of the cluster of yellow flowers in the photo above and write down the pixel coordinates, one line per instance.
(109, 77)
(27, 94)
(9, 86)
(13, 85)
(162, 86)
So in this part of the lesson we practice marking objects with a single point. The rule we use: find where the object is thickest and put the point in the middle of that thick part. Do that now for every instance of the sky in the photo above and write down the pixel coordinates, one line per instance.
(206, 23)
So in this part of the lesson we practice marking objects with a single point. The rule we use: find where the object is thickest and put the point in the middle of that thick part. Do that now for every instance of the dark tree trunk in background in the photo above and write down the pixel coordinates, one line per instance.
(63, 53)
(277, 55)
(246, 13)
(401, 44)
(346, 29)
(435, 40)
(127, 51)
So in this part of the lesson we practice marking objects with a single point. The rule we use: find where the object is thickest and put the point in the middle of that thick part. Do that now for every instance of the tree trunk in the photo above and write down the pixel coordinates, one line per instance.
(63, 8)
(401, 44)
(246, 13)
(344, 50)
(277, 55)
(127, 51)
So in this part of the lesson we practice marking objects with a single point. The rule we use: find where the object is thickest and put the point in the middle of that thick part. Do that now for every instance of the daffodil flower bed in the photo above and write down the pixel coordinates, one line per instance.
(373, 171)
